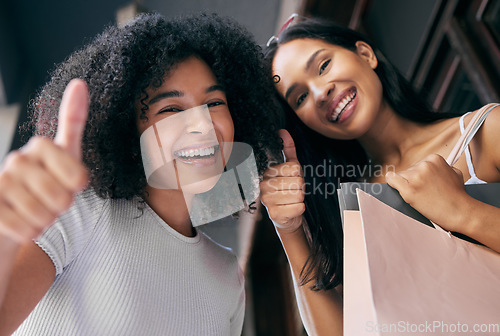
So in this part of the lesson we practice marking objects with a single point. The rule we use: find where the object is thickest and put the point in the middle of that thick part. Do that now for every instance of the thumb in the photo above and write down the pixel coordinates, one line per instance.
(289, 151)
(73, 113)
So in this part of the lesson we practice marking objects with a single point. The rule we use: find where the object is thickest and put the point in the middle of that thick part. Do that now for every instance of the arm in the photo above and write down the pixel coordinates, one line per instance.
(8, 253)
(30, 278)
(37, 183)
(436, 190)
(282, 193)
(321, 311)
(481, 222)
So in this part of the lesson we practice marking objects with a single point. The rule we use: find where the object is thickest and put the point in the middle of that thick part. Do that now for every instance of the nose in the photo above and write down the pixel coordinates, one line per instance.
(321, 91)
(198, 120)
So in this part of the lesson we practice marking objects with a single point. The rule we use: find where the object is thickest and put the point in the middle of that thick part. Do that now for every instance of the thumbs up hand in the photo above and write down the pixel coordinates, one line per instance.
(282, 189)
(39, 181)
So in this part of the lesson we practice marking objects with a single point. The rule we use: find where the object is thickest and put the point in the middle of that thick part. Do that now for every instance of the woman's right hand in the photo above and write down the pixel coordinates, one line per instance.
(39, 181)
(283, 189)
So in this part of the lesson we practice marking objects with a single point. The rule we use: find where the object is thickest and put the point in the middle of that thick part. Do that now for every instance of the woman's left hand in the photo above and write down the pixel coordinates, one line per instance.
(434, 189)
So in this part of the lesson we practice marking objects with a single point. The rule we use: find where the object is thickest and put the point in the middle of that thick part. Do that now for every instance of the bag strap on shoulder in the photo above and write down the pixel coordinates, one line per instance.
(469, 132)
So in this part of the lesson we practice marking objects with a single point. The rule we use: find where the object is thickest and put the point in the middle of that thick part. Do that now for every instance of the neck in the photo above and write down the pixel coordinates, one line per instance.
(173, 207)
(391, 137)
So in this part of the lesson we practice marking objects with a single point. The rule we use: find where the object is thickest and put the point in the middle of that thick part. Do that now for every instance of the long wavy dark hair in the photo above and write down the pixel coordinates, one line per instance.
(324, 228)
(118, 66)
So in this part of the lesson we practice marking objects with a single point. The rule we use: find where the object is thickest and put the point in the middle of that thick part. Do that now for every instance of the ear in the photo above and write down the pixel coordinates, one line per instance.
(365, 51)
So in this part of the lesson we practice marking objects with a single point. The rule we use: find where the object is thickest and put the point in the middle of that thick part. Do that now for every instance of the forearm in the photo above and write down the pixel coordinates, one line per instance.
(481, 222)
(321, 311)
(29, 277)
(8, 254)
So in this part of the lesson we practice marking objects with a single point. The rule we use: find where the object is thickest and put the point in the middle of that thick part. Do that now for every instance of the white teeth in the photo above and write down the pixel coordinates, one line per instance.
(343, 103)
(196, 152)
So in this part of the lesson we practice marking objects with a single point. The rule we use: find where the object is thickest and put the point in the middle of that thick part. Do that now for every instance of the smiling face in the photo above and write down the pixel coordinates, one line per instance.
(187, 136)
(334, 91)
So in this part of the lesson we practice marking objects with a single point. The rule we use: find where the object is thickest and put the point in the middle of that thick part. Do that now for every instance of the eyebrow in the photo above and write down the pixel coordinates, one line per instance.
(309, 62)
(176, 94)
(289, 91)
(312, 58)
(163, 95)
(215, 88)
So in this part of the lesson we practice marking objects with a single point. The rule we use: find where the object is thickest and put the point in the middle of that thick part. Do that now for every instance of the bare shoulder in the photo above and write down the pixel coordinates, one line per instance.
(489, 137)
(490, 129)
(32, 275)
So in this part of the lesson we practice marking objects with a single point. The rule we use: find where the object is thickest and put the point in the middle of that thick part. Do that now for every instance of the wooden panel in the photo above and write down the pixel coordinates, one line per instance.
(483, 18)
(459, 65)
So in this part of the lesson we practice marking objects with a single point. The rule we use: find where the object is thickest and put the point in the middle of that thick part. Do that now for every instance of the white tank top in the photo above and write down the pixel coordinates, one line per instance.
(473, 178)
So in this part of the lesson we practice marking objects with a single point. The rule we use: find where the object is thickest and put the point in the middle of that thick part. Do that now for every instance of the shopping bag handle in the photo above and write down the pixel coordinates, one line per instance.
(469, 133)
(465, 139)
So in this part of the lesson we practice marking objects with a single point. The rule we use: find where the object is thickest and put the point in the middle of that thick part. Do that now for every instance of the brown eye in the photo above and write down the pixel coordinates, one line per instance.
(216, 103)
(301, 99)
(324, 66)
(172, 109)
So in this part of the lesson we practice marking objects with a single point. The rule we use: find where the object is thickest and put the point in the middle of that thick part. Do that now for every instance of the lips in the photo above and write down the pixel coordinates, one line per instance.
(340, 104)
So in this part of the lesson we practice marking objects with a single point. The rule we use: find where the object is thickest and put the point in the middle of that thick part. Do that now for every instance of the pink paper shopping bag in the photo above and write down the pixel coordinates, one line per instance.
(405, 278)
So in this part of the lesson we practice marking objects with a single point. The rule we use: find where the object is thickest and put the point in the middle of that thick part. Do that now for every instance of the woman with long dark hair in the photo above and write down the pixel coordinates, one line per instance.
(354, 116)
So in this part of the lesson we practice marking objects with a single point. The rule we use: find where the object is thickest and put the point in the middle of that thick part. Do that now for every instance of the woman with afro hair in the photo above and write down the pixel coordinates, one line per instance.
(88, 245)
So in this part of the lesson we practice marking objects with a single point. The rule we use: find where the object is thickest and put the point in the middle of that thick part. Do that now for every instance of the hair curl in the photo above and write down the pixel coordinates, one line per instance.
(118, 66)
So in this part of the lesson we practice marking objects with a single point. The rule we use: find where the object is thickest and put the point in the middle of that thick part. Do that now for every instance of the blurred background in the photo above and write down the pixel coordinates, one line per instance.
(449, 50)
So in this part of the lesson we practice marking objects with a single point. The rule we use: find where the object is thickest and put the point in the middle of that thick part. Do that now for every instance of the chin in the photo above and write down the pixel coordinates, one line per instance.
(201, 186)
